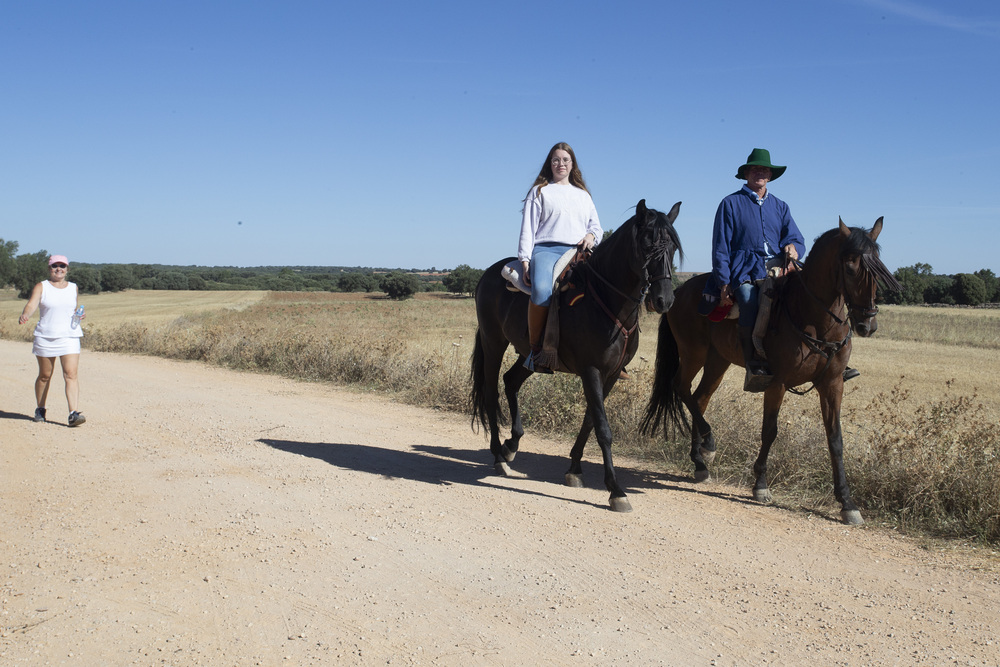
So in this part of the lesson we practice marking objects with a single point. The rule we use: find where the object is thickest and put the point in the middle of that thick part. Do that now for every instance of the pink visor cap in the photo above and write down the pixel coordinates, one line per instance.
(58, 259)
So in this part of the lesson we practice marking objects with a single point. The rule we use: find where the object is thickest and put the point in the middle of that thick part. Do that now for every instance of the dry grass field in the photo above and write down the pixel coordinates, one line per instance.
(920, 425)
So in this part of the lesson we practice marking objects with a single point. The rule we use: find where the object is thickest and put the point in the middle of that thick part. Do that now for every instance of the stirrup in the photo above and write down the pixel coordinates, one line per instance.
(756, 383)
(851, 373)
(531, 363)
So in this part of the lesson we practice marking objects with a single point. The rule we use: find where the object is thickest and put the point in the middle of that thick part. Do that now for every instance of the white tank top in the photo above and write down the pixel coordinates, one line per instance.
(56, 308)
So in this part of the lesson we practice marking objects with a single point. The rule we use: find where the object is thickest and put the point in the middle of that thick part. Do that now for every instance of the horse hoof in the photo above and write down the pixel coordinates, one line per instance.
(502, 468)
(702, 476)
(508, 454)
(707, 456)
(851, 517)
(763, 496)
(576, 481)
(620, 505)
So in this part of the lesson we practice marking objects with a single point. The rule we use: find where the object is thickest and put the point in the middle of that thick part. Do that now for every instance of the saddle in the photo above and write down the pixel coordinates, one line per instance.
(564, 266)
(767, 291)
(561, 284)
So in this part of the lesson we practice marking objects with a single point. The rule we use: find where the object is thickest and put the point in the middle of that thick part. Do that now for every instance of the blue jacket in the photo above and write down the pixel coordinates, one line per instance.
(747, 234)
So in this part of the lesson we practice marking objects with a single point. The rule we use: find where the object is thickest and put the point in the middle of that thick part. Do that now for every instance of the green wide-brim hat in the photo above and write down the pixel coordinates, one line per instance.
(760, 157)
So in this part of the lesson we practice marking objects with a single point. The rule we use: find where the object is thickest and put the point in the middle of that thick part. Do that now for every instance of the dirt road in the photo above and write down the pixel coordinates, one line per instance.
(205, 517)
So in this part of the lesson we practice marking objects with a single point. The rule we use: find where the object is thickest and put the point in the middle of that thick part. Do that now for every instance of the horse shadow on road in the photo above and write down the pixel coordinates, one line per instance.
(432, 464)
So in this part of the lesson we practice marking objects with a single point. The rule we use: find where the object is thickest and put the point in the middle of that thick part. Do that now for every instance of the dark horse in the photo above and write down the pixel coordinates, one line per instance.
(599, 334)
(808, 341)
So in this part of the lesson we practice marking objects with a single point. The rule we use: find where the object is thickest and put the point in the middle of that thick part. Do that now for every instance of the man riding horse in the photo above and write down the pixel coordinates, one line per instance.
(754, 230)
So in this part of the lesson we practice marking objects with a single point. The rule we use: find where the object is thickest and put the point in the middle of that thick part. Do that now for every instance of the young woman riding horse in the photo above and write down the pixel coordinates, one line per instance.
(599, 334)
(809, 341)
(558, 214)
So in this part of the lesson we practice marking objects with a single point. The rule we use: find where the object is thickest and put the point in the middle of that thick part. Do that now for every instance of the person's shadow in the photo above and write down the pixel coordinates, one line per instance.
(15, 415)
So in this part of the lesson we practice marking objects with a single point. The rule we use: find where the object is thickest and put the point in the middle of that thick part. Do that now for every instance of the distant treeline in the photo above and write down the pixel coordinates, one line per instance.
(920, 283)
(24, 271)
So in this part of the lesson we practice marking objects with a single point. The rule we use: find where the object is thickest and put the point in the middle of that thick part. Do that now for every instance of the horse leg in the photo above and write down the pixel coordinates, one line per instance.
(574, 476)
(595, 393)
(702, 441)
(512, 381)
(773, 397)
(829, 401)
(491, 399)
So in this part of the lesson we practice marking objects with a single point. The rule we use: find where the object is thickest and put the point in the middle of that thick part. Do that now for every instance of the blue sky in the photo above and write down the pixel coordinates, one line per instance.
(405, 134)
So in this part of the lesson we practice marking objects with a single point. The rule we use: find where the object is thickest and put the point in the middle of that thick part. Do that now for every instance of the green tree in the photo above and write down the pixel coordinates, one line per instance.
(969, 289)
(174, 280)
(87, 279)
(463, 279)
(141, 271)
(992, 284)
(399, 285)
(196, 282)
(355, 281)
(116, 277)
(29, 270)
(939, 290)
(913, 280)
(8, 251)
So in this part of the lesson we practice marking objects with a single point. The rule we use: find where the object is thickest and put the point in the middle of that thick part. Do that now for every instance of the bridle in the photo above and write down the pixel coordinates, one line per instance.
(824, 348)
(657, 251)
(854, 313)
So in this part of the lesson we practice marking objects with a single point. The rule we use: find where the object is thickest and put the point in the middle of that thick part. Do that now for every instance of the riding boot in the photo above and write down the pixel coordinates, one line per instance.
(758, 377)
(536, 326)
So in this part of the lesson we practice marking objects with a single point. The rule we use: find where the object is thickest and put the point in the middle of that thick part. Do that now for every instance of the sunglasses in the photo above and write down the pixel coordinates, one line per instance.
(57, 266)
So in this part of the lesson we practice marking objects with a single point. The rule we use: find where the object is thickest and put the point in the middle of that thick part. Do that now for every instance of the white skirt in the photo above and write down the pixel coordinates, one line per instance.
(55, 347)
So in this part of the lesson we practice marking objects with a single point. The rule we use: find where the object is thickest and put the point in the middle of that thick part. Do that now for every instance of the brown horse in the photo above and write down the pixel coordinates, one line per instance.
(808, 341)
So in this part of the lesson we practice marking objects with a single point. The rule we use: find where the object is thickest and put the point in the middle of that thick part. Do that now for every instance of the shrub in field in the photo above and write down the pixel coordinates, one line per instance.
(399, 285)
(938, 472)
(463, 279)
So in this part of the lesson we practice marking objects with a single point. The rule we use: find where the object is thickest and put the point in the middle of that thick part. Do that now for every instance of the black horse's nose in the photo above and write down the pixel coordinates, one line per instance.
(660, 303)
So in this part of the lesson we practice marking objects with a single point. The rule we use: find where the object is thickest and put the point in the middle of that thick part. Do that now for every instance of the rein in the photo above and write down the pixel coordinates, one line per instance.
(799, 265)
(824, 348)
(658, 250)
(619, 326)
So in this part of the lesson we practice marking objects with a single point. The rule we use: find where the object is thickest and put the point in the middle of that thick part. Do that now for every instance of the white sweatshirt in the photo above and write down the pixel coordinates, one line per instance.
(559, 214)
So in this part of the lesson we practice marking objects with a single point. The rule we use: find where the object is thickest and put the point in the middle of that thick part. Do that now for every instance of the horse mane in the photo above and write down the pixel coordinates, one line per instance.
(605, 248)
(861, 245)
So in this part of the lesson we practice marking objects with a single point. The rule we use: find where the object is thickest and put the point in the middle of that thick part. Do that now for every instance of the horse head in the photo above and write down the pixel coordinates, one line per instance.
(862, 271)
(655, 242)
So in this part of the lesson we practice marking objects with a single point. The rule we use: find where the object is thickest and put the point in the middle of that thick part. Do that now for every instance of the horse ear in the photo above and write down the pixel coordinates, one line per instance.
(876, 230)
(674, 210)
(845, 231)
(640, 208)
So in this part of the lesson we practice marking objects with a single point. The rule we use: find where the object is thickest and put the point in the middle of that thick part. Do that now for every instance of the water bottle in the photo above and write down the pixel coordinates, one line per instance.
(77, 314)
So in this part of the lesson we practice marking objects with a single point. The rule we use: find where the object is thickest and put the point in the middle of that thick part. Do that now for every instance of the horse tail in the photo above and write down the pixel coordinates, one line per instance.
(477, 397)
(664, 404)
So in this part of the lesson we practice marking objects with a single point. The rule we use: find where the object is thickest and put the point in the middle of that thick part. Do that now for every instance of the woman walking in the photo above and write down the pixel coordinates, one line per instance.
(57, 336)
